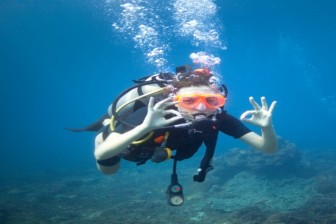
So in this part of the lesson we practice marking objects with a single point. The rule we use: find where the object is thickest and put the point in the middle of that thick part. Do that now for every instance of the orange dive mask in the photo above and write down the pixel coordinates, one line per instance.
(191, 100)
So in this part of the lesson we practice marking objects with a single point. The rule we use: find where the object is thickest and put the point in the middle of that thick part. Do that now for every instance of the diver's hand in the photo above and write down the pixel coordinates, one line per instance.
(260, 116)
(155, 115)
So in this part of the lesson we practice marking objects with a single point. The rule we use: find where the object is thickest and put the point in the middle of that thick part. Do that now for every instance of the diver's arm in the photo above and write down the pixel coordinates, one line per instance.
(106, 168)
(261, 117)
(116, 143)
(267, 142)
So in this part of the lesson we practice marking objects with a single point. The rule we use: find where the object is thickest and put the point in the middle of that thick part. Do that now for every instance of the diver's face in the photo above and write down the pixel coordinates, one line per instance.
(198, 101)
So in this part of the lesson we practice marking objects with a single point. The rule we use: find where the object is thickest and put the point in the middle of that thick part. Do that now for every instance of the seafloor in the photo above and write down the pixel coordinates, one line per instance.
(246, 187)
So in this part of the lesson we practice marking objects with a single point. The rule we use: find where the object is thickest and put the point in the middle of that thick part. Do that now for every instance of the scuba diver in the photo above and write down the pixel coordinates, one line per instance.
(170, 116)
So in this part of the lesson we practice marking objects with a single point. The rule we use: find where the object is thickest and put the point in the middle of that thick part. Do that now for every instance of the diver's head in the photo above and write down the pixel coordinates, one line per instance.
(199, 94)
(200, 100)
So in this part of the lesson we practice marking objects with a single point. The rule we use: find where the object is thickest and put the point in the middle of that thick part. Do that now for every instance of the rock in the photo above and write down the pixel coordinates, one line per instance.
(286, 161)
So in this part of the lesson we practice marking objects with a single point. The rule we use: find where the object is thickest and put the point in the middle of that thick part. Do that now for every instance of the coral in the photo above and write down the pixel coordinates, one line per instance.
(319, 210)
(287, 160)
(247, 189)
(284, 218)
(325, 184)
(249, 215)
(239, 190)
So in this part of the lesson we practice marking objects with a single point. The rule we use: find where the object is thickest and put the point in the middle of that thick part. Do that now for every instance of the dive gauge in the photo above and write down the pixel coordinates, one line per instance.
(176, 188)
(175, 194)
(175, 191)
(176, 200)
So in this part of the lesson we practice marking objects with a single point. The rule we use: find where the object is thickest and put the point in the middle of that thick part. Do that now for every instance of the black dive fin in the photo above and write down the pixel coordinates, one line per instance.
(95, 126)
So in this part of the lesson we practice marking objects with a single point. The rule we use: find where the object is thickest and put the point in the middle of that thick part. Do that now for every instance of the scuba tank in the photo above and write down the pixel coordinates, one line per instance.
(128, 109)
(132, 103)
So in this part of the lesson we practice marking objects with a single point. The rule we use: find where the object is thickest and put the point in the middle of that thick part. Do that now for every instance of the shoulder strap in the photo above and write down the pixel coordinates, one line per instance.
(210, 142)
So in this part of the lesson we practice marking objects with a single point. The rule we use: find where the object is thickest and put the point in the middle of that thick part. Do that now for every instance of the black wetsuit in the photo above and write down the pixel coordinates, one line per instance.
(185, 141)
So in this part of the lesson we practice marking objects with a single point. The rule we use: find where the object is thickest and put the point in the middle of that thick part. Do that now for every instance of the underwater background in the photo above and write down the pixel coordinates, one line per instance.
(63, 62)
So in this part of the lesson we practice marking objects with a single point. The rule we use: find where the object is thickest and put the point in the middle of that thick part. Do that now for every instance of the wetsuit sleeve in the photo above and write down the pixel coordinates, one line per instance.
(231, 125)
(109, 162)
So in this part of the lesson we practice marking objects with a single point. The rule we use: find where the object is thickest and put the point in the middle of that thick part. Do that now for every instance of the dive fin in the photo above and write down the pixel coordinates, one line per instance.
(95, 126)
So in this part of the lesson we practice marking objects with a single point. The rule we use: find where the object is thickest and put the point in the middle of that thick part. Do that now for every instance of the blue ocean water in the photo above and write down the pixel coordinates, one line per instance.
(63, 62)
